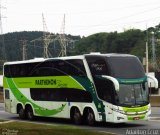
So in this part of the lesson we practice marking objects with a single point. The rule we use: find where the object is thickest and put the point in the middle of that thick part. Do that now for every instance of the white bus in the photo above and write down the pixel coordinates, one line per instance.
(88, 88)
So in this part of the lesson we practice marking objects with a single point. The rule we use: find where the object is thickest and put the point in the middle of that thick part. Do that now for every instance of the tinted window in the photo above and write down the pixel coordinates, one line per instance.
(75, 68)
(125, 67)
(63, 94)
(47, 68)
(97, 65)
(19, 70)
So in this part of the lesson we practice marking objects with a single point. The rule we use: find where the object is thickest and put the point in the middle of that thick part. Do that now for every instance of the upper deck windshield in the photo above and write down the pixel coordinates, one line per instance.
(125, 67)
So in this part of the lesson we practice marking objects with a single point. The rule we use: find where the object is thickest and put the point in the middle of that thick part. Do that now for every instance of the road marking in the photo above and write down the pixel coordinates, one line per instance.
(107, 132)
(4, 122)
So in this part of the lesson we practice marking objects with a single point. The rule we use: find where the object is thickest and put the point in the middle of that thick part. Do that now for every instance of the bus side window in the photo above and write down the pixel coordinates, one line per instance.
(6, 71)
(76, 67)
(98, 66)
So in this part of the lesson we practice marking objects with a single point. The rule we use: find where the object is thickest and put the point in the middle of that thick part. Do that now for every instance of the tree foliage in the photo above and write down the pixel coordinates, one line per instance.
(34, 45)
(130, 41)
(126, 42)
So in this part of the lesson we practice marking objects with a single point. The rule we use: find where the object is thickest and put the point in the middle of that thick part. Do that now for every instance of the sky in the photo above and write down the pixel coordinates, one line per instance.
(82, 17)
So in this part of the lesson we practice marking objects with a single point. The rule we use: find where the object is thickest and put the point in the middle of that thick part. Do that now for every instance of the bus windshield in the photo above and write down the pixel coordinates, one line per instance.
(125, 67)
(132, 95)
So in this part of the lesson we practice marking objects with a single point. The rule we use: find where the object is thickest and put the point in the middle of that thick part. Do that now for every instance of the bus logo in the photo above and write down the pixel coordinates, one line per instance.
(46, 82)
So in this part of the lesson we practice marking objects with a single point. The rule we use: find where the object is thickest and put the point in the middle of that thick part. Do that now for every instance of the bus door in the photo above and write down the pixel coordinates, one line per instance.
(7, 100)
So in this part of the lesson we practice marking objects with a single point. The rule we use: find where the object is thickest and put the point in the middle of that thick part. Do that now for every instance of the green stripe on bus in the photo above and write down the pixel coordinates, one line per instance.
(132, 81)
(21, 98)
(89, 86)
(136, 109)
(138, 117)
(46, 82)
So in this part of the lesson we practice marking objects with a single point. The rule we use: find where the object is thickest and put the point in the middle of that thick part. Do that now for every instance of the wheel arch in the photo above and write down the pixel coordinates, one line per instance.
(74, 107)
(29, 105)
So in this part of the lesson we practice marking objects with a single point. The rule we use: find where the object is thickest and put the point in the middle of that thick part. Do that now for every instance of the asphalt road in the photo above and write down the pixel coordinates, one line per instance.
(136, 127)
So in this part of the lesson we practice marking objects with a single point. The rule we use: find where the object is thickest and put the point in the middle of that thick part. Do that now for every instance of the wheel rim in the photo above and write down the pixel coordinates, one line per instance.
(90, 118)
(21, 113)
(30, 114)
(77, 117)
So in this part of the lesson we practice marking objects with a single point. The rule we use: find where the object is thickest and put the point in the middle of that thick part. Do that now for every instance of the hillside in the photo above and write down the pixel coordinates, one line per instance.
(131, 41)
(34, 44)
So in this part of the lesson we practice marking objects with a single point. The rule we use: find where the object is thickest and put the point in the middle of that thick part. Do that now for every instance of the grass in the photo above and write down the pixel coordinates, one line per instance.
(1, 96)
(2, 120)
(24, 128)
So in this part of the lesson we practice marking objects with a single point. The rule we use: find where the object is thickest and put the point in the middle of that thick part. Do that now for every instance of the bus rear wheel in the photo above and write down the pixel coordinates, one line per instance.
(21, 113)
(76, 116)
(29, 113)
(89, 117)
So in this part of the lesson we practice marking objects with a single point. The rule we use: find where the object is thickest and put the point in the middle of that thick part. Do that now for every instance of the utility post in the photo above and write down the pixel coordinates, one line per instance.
(147, 57)
(154, 62)
(24, 49)
(3, 52)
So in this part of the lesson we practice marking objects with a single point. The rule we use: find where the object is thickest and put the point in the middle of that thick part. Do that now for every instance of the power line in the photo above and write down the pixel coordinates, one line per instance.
(113, 24)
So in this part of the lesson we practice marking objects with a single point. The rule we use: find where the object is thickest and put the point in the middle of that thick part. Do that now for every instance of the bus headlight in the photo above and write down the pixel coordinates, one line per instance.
(119, 111)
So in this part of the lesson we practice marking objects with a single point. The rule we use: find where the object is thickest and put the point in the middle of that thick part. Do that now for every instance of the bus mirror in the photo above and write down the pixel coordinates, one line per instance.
(155, 81)
(115, 82)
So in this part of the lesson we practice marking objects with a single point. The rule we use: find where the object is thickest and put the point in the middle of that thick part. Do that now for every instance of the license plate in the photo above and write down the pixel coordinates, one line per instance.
(136, 118)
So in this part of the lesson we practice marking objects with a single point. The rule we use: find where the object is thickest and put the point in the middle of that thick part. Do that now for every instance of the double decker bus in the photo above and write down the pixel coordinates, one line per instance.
(86, 88)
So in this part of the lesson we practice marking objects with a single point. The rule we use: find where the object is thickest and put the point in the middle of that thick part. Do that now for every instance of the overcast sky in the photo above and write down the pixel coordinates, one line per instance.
(83, 17)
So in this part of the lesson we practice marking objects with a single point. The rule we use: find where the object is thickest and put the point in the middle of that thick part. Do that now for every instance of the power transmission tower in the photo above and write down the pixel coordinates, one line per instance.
(46, 39)
(49, 38)
(62, 39)
(24, 49)
(3, 53)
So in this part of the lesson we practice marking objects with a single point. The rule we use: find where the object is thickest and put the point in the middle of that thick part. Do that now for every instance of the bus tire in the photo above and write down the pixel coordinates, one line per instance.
(89, 117)
(21, 112)
(76, 116)
(29, 113)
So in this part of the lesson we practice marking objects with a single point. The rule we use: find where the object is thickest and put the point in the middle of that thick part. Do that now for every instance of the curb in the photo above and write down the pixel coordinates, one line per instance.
(8, 121)
(156, 119)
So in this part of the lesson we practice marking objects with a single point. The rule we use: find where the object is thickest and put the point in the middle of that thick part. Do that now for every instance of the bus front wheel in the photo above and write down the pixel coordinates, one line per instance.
(29, 113)
(76, 116)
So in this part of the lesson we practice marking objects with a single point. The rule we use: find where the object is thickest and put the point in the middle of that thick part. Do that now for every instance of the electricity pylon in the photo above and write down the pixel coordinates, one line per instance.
(62, 39)
(46, 39)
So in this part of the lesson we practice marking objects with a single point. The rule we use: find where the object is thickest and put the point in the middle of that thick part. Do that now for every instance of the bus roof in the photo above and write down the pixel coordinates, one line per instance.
(69, 57)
